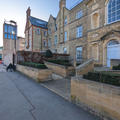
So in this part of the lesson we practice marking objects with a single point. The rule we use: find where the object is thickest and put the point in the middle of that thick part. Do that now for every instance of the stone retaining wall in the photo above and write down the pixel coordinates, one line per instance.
(102, 99)
(60, 69)
(40, 75)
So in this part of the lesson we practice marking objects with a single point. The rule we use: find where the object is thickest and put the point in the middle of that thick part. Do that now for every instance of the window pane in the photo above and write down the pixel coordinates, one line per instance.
(5, 28)
(8, 36)
(5, 36)
(79, 54)
(65, 35)
(113, 11)
(79, 31)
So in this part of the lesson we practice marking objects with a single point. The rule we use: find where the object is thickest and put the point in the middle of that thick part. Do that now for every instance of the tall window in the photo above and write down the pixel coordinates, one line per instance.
(45, 33)
(65, 36)
(113, 11)
(38, 31)
(79, 14)
(6, 28)
(79, 54)
(49, 42)
(79, 31)
(65, 22)
(45, 43)
(55, 40)
(65, 50)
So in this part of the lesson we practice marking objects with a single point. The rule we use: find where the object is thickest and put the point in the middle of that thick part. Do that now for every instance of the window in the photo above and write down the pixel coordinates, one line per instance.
(79, 14)
(38, 31)
(49, 43)
(113, 11)
(79, 31)
(55, 40)
(45, 33)
(79, 54)
(9, 29)
(45, 43)
(15, 37)
(55, 27)
(65, 22)
(5, 27)
(8, 36)
(65, 36)
(5, 35)
(12, 36)
(113, 42)
(65, 50)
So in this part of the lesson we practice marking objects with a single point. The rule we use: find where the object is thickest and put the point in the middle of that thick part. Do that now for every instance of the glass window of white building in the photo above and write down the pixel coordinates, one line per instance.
(65, 36)
(79, 31)
(79, 54)
(79, 14)
(113, 11)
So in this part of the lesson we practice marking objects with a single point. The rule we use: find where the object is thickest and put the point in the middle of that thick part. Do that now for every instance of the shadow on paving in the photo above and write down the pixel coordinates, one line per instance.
(41, 103)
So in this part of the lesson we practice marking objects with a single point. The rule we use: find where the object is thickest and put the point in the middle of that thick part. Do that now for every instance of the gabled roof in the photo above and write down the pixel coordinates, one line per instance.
(38, 22)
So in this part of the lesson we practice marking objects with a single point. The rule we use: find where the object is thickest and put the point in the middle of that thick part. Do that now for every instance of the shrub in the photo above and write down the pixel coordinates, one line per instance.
(104, 77)
(34, 65)
(49, 54)
(116, 67)
(60, 62)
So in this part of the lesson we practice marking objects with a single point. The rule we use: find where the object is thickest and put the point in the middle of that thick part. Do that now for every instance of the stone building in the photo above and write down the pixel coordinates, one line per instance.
(11, 43)
(91, 29)
(35, 33)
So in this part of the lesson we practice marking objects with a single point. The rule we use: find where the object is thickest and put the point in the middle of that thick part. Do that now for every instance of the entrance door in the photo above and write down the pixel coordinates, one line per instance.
(113, 52)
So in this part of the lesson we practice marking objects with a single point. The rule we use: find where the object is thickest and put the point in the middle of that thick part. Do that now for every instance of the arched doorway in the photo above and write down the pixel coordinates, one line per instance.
(113, 51)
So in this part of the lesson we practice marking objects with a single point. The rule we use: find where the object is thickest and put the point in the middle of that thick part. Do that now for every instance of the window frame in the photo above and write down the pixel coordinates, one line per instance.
(65, 36)
(116, 20)
(79, 32)
(81, 54)
(79, 14)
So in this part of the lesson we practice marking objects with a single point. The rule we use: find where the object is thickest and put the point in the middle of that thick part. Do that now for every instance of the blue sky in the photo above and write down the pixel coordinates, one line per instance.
(16, 10)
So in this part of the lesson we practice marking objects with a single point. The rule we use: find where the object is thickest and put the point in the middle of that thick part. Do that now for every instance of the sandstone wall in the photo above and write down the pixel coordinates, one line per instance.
(102, 99)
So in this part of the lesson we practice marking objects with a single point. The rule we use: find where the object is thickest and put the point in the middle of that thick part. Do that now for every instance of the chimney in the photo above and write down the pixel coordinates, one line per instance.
(28, 13)
(62, 4)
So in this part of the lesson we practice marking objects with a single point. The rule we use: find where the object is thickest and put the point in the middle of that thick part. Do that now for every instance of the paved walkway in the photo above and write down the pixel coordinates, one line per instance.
(23, 99)
(2, 68)
(60, 87)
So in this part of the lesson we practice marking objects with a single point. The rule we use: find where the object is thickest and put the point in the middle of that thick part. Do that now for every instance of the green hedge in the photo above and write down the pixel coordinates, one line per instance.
(34, 65)
(116, 67)
(61, 62)
(104, 77)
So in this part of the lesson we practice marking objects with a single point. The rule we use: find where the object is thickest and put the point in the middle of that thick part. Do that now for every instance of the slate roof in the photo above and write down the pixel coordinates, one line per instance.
(38, 22)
